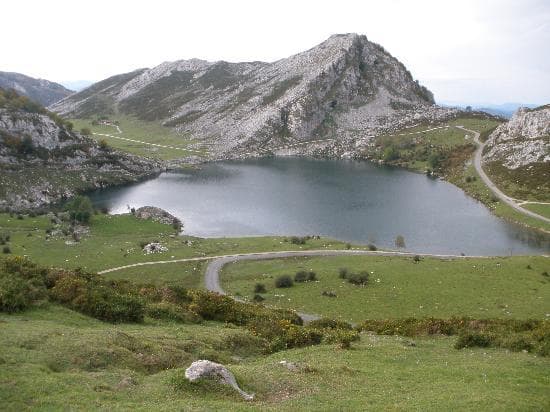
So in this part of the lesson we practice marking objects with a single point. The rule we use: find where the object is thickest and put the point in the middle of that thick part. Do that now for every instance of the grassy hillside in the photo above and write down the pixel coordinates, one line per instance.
(449, 153)
(53, 357)
(115, 240)
(513, 287)
(435, 148)
(152, 136)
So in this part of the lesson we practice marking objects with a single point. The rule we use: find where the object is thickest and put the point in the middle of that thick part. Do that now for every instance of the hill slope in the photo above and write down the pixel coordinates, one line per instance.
(345, 89)
(518, 154)
(43, 161)
(39, 90)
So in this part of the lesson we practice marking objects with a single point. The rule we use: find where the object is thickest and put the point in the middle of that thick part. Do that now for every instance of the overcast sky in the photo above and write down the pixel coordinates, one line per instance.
(473, 51)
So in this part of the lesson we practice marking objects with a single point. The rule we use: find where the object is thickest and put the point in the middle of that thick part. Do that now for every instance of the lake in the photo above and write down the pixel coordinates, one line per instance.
(354, 201)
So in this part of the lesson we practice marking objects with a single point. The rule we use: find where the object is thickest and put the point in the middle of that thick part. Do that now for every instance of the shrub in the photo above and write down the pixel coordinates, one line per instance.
(6, 250)
(416, 258)
(282, 334)
(361, 278)
(305, 276)
(169, 311)
(260, 288)
(258, 298)
(342, 338)
(87, 294)
(348, 246)
(284, 281)
(21, 284)
(372, 247)
(472, 339)
(327, 323)
(296, 240)
(80, 209)
(13, 293)
(342, 273)
(400, 241)
(85, 131)
(212, 306)
(103, 145)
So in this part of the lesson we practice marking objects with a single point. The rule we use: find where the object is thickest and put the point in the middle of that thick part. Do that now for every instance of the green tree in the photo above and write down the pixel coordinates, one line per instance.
(390, 153)
(399, 241)
(80, 209)
(85, 131)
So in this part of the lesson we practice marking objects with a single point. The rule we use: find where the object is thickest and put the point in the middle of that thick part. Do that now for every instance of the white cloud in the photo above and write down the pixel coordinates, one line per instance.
(471, 50)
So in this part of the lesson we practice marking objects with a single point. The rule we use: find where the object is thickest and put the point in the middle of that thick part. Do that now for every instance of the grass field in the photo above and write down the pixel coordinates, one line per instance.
(511, 287)
(150, 132)
(543, 210)
(114, 240)
(418, 143)
(53, 358)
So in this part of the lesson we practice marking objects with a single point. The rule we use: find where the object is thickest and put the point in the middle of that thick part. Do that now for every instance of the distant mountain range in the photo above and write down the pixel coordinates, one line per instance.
(39, 90)
(344, 89)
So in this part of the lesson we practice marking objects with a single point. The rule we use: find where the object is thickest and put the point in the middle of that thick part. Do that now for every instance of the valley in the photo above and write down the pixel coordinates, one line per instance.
(316, 224)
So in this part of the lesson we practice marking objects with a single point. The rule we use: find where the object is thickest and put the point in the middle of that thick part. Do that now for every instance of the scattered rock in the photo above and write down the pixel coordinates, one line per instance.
(126, 382)
(158, 215)
(296, 367)
(154, 248)
(205, 369)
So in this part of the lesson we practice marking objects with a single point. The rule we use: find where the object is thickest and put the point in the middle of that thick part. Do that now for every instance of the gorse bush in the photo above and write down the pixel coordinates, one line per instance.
(531, 335)
(22, 284)
(283, 281)
(359, 279)
(343, 273)
(80, 209)
(305, 276)
(93, 296)
(260, 288)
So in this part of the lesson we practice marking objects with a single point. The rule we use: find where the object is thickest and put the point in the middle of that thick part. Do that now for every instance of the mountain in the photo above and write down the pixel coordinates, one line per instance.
(39, 90)
(518, 153)
(42, 161)
(342, 90)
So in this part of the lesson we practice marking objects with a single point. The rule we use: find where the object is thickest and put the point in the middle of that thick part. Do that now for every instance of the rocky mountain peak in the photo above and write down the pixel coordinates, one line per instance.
(345, 87)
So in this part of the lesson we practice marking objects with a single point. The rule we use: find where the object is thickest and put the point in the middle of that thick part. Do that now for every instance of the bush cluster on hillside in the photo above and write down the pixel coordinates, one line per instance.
(360, 279)
(532, 335)
(23, 284)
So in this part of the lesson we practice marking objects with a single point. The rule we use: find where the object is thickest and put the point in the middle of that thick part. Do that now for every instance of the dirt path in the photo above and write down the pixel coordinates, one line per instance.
(515, 204)
(119, 131)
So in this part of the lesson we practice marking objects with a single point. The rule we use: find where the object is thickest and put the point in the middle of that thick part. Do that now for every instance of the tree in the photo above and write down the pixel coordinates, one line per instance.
(399, 241)
(85, 131)
(103, 144)
(80, 209)
(390, 153)
(434, 160)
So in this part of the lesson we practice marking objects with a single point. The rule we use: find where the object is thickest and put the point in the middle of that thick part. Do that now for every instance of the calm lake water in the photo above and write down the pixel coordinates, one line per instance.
(347, 200)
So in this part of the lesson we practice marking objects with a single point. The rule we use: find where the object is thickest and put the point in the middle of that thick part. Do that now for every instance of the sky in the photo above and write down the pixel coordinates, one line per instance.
(468, 51)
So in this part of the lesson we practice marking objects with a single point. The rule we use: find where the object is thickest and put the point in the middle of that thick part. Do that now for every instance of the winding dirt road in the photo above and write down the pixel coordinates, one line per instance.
(515, 204)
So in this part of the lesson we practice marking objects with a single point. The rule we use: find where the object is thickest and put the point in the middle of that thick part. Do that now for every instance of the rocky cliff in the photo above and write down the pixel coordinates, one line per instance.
(517, 154)
(345, 89)
(43, 161)
(39, 90)
(523, 140)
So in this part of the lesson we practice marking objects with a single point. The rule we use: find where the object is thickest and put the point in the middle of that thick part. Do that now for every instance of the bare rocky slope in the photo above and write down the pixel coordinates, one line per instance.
(518, 152)
(39, 90)
(337, 95)
(42, 161)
